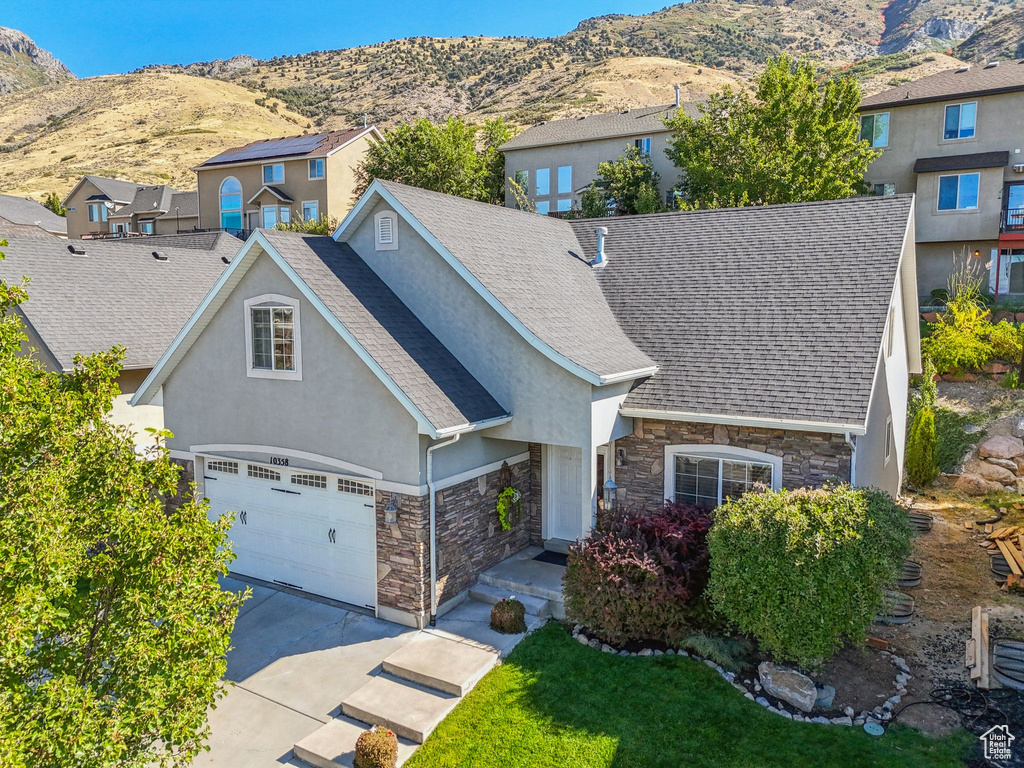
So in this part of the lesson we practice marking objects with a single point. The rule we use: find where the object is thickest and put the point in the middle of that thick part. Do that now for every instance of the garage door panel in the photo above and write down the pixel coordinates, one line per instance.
(287, 537)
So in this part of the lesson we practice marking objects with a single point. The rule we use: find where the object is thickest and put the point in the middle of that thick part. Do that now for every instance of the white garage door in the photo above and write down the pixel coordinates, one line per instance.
(303, 529)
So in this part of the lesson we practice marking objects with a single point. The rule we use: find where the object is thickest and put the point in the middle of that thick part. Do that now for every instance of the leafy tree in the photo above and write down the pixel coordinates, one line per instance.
(53, 202)
(593, 203)
(113, 628)
(454, 157)
(920, 464)
(321, 226)
(630, 183)
(796, 139)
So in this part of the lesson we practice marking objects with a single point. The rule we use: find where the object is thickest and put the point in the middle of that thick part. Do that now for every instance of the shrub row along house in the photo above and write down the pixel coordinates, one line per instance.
(387, 383)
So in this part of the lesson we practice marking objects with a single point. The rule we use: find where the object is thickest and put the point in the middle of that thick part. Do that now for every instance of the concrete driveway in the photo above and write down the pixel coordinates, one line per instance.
(294, 661)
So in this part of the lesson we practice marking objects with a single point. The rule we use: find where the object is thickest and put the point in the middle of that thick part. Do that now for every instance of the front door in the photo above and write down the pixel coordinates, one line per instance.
(564, 492)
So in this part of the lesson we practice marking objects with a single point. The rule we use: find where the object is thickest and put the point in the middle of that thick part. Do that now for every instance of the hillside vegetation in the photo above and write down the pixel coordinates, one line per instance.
(23, 64)
(1002, 39)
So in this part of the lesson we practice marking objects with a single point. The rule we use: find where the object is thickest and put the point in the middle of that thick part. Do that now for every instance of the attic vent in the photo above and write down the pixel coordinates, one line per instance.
(78, 250)
(962, 69)
(385, 230)
(992, 64)
(159, 255)
(386, 236)
(582, 117)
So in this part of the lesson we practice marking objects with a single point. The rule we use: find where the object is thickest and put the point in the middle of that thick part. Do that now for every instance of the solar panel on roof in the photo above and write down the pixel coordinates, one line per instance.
(299, 146)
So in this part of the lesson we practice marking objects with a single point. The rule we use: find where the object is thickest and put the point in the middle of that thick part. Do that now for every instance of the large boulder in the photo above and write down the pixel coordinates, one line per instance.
(788, 685)
(976, 485)
(1002, 447)
(1005, 463)
(994, 472)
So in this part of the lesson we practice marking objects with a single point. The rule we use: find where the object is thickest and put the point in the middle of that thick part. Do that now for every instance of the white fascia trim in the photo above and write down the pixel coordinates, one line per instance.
(183, 455)
(346, 466)
(639, 373)
(408, 489)
(475, 426)
(355, 216)
(258, 238)
(266, 188)
(746, 421)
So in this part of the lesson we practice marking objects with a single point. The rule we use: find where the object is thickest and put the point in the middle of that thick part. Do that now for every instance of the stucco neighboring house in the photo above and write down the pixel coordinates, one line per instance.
(359, 401)
(91, 202)
(955, 139)
(29, 213)
(554, 161)
(88, 296)
(271, 181)
(157, 210)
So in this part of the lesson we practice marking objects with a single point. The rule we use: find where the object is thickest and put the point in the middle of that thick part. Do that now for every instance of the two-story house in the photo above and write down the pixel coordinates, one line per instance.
(99, 207)
(273, 181)
(553, 161)
(92, 201)
(955, 139)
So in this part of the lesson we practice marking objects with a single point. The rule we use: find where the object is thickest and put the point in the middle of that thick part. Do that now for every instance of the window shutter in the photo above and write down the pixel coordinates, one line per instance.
(385, 230)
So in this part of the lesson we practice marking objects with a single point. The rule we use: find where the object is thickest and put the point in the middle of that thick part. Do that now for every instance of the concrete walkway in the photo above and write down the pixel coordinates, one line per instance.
(294, 661)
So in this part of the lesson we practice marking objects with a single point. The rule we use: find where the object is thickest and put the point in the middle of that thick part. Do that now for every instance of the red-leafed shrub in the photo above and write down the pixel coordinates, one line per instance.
(641, 576)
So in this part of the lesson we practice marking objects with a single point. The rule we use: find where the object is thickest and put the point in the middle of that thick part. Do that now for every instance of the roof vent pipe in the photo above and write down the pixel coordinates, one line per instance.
(677, 94)
(599, 257)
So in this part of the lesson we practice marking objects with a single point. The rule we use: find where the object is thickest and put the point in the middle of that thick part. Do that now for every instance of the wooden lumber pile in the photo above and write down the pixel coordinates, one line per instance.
(1009, 542)
(976, 654)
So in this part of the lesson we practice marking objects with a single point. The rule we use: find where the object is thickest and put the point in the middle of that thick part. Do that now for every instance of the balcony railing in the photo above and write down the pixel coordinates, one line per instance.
(1013, 220)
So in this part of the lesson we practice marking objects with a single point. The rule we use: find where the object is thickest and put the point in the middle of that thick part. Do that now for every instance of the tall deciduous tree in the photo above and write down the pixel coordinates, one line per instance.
(796, 139)
(454, 157)
(113, 628)
(630, 184)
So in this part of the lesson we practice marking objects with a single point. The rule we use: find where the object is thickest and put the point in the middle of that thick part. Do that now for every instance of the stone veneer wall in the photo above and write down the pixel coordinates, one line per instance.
(469, 539)
(185, 481)
(808, 458)
(536, 497)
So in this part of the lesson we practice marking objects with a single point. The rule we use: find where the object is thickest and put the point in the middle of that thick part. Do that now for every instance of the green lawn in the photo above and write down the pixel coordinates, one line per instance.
(556, 703)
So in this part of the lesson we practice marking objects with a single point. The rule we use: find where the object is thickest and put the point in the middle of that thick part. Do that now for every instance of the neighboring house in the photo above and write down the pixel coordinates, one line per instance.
(117, 292)
(555, 160)
(92, 201)
(157, 210)
(28, 213)
(358, 402)
(274, 181)
(955, 139)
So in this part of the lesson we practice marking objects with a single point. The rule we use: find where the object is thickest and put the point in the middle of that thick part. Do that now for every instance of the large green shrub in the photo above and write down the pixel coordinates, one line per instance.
(802, 571)
(921, 466)
(1005, 339)
(641, 576)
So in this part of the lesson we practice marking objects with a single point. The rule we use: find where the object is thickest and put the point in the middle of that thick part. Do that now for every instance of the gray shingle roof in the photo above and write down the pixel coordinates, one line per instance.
(774, 311)
(187, 204)
(117, 294)
(423, 368)
(978, 80)
(962, 162)
(21, 210)
(328, 142)
(117, 190)
(526, 262)
(152, 200)
(222, 242)
(631, 122)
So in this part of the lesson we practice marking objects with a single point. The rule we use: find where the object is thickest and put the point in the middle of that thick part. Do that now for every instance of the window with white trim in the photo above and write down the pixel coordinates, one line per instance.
(888, 439)
(146, 227)
(272, 337)
(351, 486)
(310, 481)
(227, 467)
(644, 144)
(316, 168)
(385, 231)
(230, 204)
(706, 475)
(262, 473)
(273, 174)
(310, 210)
(97, 212)
(959, 192)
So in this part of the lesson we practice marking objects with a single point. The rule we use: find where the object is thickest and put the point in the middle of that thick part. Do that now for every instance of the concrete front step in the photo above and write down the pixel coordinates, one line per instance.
(334, 745)
(410, 710)
(441, 663)
(557, 545)
(556, 603)
(535, 606)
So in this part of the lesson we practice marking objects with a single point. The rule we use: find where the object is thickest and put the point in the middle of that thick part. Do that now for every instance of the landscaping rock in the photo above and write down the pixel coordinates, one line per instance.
(607, 648)
(820, 719)
(971, 429)
(594, 643)
(842, 721)
(659, 653)
(849, 711)
(623, 652)
(789, 685)
(1004, 463)
(763, 702)
(1018, 428)
(1002, 447)
(998, 474)
(583, 639)
(1003, 314)
(976, 485)
(995, 368)
(826, 694)
(646, 652)
(930, 317)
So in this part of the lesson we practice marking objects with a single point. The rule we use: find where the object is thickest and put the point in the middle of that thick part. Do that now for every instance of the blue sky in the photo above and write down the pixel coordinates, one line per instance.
(96, 38)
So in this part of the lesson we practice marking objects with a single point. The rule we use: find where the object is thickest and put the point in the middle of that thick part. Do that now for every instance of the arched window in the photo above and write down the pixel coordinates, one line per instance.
(231, 204)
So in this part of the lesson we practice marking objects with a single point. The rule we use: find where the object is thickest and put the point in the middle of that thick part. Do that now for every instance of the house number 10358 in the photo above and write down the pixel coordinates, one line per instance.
(279, 461)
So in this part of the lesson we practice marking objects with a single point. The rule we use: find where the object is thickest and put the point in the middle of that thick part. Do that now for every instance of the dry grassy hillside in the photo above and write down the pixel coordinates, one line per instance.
(145, 127)
(1002, 39)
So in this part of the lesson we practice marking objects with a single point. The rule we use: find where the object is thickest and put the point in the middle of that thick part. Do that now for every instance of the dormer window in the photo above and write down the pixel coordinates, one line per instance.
(385, 231)
(272, 337)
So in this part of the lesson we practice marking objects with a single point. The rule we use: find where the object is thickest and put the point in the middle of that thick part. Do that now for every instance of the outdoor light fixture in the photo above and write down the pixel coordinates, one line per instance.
(391, 512)
(977, 254)
(611, 491)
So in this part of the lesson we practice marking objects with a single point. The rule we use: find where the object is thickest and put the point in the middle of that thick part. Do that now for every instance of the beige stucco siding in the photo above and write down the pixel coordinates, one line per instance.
(339, 409)
(935, 226)
(78, 212)
(170, 225)
(584, 157)
(341, 176)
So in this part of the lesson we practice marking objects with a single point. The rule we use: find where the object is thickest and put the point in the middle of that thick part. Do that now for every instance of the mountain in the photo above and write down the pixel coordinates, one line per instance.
(1001, 39)
(23, 64)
